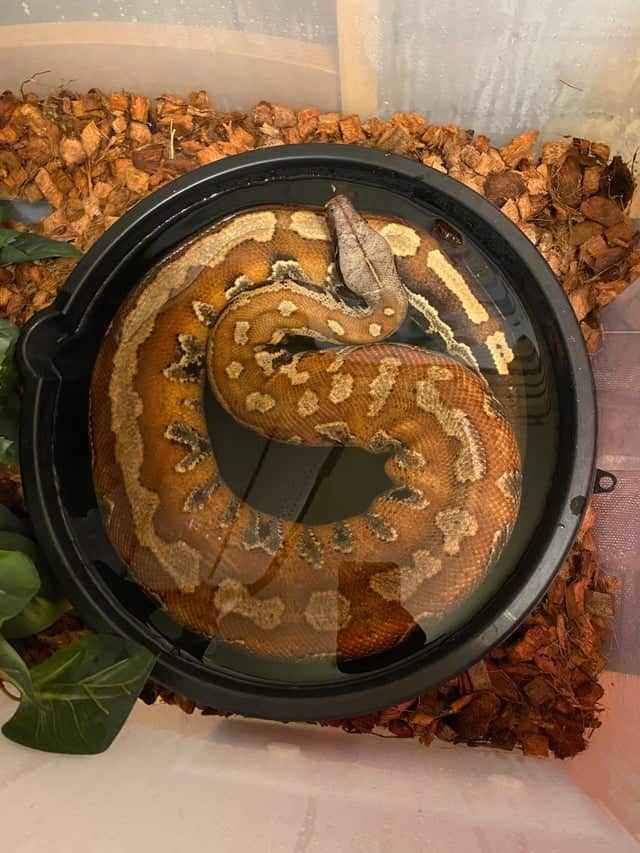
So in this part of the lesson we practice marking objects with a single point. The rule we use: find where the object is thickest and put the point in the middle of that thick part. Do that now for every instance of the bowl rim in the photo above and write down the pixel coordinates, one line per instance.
(240, 693)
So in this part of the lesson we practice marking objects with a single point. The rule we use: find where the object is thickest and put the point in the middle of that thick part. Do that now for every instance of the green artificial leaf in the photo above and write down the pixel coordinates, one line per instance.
(47, 606)
(9, 401)
(19, 582)
(10, 522)
(83, 696)
(7, 236)
(16, 247)
(10, 541)
(9, 334)
(14, 541)
(15, 670)
(39, 614)
(9, 426)
(9, 454)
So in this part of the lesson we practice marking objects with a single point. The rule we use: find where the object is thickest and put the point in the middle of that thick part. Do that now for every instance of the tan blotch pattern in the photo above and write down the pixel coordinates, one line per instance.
(335, 365)
(341, 387)
(435, 325)
(382, 385)
(240, 284)
(287, 269)
(257, 402)
(407, 458)
(470, 465)
(337, 431)
(295, 376)
(332, 279)
(509, 484)
(327, 611)
(233, 597)
(310, 225)
(287, 307)
(264, 359)
(204, 312)
(234, 370)
(381, 441)
(403, 240)
(241, 332)
(439, 373)
(474, 309)
(491, 407)
(335, 327)
(501, 352)
(308, 404)
(455, 523)
(401, 583)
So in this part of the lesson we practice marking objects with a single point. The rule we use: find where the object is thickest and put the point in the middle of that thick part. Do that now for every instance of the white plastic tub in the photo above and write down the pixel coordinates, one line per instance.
(173, 782)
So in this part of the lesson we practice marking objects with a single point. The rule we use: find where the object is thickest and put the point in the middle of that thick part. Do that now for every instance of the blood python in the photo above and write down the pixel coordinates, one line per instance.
(222, 309)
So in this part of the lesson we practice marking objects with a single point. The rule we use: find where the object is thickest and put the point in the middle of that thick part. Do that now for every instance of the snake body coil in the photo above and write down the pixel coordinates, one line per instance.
(221, 309)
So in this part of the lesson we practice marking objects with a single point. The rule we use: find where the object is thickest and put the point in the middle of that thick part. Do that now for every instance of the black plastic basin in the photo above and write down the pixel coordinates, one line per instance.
(58, 350)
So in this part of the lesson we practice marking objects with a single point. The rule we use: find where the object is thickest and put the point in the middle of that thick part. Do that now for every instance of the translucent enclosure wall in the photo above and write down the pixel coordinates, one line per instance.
(565, 67)
(497, 67)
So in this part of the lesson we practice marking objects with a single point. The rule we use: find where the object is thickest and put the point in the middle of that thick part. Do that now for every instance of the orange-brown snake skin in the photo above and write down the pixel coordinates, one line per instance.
(220, 310)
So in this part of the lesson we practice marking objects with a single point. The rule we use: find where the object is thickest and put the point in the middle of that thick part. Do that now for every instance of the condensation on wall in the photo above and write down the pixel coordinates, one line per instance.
(311, 20)
(504, 65)
(498, 66)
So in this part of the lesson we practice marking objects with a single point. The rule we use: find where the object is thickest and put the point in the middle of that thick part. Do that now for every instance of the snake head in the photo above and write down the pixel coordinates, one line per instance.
(365, 258)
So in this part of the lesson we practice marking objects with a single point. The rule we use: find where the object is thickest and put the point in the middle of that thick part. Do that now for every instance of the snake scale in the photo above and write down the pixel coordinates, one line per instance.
(222, 308)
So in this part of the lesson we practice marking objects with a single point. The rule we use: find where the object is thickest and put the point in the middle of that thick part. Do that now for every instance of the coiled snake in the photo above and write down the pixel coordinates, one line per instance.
(223, 306)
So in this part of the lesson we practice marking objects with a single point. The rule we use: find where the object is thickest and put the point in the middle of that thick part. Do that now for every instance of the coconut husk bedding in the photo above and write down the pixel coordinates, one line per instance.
(91, 156)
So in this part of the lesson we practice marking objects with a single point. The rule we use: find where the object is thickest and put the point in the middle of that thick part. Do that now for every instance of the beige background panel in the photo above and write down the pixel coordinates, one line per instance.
(236, 68)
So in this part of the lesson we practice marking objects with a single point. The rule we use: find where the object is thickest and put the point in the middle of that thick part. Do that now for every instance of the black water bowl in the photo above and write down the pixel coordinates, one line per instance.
(58, 352)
